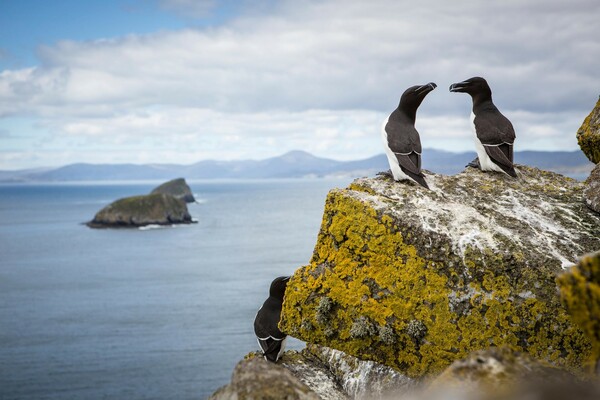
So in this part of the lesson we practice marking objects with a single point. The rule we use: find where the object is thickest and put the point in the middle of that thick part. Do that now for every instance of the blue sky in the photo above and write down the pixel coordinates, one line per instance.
(26, 24)
(178, 81)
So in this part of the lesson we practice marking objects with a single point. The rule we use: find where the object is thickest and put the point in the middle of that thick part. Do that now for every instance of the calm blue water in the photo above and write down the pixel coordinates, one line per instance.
(155, 314)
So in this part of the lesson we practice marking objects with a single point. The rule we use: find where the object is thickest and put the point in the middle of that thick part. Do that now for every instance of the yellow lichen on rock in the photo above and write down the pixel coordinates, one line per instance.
(395, 284)
(588, 135)
(580, 291)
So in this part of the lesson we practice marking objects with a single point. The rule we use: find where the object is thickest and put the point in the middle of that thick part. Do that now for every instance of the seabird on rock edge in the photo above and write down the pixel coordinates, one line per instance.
(494, 134)
(401, 140)
(266, 329)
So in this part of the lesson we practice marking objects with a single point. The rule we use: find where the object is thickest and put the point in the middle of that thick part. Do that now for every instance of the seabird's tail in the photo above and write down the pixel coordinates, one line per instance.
(419, 178)
(509, 170)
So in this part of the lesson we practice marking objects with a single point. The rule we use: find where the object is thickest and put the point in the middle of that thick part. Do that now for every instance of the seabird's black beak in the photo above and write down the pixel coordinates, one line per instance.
(458, 87)
(426, 88)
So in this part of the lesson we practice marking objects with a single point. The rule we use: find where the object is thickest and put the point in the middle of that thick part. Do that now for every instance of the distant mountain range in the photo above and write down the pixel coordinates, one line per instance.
(295, 164)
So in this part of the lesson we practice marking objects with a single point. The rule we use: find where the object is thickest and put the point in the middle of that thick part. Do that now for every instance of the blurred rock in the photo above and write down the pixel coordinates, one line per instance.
(588, 135)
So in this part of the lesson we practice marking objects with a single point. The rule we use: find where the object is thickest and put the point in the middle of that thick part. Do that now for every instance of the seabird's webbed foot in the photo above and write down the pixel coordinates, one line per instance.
(474, 164)
(387, 173)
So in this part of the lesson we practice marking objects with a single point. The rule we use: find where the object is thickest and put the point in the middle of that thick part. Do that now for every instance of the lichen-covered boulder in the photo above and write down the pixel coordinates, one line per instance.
(591, 192)
(416, 279)
(177, 188)
(588, 135)
(135, 211)
(580, 291)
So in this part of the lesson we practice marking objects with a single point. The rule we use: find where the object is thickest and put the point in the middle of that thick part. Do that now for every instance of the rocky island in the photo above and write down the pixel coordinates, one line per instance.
(166, 205)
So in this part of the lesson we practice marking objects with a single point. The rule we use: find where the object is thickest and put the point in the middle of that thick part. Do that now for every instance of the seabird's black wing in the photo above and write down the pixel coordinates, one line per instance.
(493, 128)
(403, 139)
(497, 136)
(500, 156)
(410, 164)
(267, 330)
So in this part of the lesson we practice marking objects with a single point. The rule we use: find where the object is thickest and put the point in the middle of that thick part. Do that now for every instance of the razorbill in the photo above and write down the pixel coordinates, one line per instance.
(494, 134)
(401, 140)
(266, 329)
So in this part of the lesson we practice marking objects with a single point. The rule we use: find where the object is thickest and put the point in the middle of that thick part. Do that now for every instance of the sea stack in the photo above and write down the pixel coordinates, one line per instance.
(137, 211)
(177, 188)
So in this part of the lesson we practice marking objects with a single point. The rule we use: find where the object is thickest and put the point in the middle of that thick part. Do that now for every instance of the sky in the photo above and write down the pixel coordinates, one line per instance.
(179, 81)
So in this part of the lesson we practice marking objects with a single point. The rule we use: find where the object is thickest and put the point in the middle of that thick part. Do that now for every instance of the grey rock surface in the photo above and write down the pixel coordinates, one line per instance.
(591, 193)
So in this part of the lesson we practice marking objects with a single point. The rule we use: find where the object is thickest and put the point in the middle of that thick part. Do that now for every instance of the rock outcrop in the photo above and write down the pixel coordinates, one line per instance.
(580, 291)
(417, 279)
(136, 211)
(328, 374)
(256, 378)
(588, 135)
(591, 192)
(177, 188)
(321, 373)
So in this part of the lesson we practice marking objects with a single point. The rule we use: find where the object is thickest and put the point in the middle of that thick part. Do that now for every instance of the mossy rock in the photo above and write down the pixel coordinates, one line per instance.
(588, 135)
(416, 279)
(136, 211)
(591, 193)
(177, 188)
(580, 291)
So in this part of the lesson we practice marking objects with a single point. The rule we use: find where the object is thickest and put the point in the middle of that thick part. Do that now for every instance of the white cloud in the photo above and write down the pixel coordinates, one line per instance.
(319, 76)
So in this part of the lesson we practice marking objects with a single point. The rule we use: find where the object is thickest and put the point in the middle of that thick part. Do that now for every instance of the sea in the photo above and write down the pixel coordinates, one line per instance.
(154, 313)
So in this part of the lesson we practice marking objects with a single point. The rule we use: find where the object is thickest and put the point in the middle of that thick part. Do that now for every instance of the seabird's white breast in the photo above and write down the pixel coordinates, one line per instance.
(392, 160)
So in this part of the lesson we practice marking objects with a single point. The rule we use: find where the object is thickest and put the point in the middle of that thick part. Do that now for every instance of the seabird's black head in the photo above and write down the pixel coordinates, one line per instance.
(278, 286)
(413, 96)
(477, 87)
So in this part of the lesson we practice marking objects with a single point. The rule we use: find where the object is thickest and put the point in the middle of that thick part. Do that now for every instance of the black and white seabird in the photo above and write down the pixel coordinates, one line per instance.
(266, 329)
(401, 140)
(494, 134)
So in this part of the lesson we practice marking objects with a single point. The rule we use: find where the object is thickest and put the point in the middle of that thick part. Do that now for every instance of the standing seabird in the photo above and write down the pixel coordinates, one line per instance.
(494, 134)
(270, 338)
(401, 140)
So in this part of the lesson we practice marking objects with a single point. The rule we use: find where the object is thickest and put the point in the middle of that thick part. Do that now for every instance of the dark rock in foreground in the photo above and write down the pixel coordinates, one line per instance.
(177, 188)
(136, 211)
